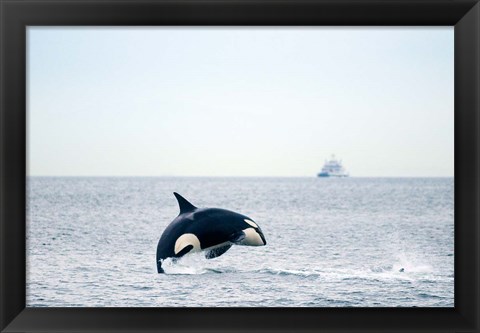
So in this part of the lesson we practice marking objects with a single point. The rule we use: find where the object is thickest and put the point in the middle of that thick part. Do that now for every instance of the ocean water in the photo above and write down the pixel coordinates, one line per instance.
(350, 242)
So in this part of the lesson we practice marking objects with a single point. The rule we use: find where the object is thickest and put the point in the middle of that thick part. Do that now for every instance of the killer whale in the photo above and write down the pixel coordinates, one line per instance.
(212, 230)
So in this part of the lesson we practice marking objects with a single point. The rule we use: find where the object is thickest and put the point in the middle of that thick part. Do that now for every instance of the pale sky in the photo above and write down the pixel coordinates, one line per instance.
(192, 101)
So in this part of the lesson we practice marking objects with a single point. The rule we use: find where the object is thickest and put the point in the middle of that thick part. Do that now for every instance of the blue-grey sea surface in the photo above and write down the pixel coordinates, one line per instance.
(349, 242)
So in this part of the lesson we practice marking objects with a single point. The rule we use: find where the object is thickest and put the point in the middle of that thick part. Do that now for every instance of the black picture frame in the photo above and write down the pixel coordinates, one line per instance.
(16, 15)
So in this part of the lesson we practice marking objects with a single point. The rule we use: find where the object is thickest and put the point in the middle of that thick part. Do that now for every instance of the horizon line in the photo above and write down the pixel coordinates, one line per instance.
(234, 176)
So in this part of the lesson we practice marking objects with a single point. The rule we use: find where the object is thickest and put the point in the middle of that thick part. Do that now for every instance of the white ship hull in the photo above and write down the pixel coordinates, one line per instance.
(333, 168)
(326, 174)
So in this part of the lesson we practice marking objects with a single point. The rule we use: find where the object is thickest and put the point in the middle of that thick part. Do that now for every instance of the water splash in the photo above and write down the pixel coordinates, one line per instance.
(403, 266)
(196, 264)
(411, 264)
(192, 264)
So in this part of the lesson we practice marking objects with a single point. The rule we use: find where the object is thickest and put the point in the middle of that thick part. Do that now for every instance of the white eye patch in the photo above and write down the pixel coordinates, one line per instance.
(252, 238)
(185, 240)
(251, 223)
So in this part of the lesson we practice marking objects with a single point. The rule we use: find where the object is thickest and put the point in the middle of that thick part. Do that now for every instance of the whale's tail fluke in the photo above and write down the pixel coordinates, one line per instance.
(183, 203)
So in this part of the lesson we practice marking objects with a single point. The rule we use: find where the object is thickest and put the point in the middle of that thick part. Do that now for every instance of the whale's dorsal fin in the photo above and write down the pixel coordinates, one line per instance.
(184, 205)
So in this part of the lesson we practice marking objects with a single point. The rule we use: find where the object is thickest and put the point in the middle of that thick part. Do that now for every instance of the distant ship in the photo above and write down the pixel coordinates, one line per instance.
(333, 168)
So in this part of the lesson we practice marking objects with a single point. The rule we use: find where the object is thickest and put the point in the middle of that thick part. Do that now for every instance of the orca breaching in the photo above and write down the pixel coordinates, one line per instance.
(212, 230)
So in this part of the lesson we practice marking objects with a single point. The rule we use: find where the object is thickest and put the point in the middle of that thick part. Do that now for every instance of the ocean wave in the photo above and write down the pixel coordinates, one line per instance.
(285, 272)
(398, 269)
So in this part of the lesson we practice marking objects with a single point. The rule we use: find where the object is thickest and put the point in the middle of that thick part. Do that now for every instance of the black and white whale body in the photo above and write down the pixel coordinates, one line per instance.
(212, 230)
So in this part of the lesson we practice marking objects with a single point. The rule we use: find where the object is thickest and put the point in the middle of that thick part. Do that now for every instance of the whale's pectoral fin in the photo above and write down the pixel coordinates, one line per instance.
(237, 237)
(217, 252)
(184, 251)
